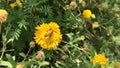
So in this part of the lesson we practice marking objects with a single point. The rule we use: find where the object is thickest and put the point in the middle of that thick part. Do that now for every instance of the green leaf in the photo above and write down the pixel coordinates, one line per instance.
(105, 44)
(22, 24)
(29, 63)
(110, 29)
(116, 39)
(116, 7)
(76, 40)
(43, 63)
(70, 36)
(58, 64)
(6, 63)
(10, 40)
(10, 59)
(105, 5)
(22, 54)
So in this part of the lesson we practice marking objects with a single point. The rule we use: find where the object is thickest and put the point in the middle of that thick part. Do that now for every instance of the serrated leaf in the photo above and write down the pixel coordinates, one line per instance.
(22, 24)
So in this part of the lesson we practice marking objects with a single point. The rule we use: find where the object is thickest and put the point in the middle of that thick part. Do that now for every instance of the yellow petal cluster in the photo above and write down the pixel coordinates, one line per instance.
(100, 58)
(3, 15)
(48, 36)
(87, 13)
(15, 4)
(82, 37)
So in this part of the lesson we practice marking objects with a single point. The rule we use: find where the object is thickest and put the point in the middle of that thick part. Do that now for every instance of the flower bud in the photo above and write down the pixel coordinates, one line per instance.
(40, 55)
(73, 5)
(95, 25)
(77, 60)
(117, 15)
(32, 44)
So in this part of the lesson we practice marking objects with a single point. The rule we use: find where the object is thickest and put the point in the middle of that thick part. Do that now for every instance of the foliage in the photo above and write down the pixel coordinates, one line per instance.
(73, 52)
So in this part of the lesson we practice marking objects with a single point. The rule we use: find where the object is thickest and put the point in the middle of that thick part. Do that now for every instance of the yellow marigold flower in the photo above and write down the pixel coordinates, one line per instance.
(13, 5)
(95, 25)
(87, 13)
(48, 35)
(19, 3)
(82, 37)
(3, 15)
(100, 58)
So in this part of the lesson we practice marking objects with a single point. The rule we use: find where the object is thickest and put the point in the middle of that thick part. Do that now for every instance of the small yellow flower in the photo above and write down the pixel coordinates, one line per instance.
(19, 3)
(13, 5)
(100, 58)
(16, 4)
(95, 25)
(82, 37)
(93, 16)
(48, 35)
(87, 13)
(3, 15)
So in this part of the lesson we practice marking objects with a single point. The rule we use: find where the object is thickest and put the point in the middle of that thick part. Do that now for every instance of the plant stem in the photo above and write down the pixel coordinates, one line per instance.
(28, 52)
(0, 27)
(3, 50)
(8, 50)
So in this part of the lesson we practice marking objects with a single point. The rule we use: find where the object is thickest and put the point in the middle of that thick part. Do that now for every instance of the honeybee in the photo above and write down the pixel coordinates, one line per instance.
(49, 32)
